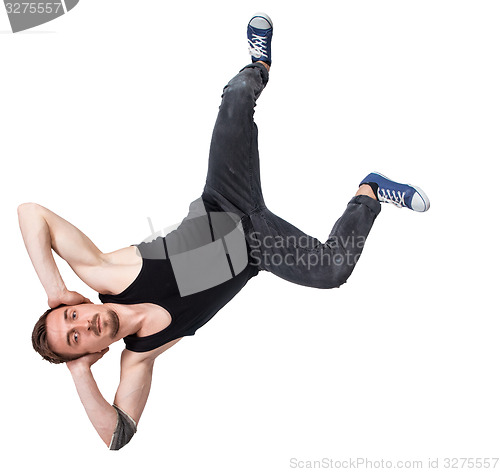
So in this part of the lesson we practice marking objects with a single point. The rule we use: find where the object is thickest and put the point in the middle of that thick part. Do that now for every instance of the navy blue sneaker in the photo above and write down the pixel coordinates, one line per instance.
(259, 34)
(402, 195)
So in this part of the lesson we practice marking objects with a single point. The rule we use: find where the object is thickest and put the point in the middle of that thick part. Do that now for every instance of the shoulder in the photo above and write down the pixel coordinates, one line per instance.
(129, 255)
(131, 362)
(131, 358)
(119, 269)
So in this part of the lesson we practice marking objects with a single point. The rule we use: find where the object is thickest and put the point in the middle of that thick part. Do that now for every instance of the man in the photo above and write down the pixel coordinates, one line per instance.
(157, 292)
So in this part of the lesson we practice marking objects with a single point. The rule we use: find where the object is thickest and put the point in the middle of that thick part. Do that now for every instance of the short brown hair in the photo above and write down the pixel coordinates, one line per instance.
(41, 344)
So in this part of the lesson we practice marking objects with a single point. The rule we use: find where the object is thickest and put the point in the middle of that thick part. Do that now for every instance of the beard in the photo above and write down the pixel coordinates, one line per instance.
(113, 322)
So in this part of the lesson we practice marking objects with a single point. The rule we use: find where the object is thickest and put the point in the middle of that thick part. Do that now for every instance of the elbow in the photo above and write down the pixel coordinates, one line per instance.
(125, 428)
(112, 446)
(116, 444)
(27, 208)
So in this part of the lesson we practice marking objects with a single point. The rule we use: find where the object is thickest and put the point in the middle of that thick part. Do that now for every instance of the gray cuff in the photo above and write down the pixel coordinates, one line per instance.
(124, 430)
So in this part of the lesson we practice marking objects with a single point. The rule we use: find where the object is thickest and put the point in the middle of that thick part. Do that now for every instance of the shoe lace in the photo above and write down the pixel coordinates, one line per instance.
(258, 46)
(391, 196)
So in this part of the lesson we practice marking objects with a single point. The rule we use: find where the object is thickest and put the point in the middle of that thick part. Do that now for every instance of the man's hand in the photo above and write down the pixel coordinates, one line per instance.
(86, 361)
(67, 298)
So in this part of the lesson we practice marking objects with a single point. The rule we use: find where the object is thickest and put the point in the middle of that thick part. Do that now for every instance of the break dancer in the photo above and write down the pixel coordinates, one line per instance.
(163, 289)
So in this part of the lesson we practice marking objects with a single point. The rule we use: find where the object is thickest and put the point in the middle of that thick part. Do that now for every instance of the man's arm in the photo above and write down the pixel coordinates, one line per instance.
(131, 395)
(44, 231)
(101, 414)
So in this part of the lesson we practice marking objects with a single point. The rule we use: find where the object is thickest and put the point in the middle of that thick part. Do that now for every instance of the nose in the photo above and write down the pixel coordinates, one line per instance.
(84, 325)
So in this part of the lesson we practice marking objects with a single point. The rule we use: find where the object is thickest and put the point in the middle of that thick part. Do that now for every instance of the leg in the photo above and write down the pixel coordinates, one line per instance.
(284, 250)
(233, 168)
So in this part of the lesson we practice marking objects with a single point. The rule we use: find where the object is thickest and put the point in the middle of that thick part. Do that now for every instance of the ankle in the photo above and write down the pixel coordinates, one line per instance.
(265, 64)
(366, 189)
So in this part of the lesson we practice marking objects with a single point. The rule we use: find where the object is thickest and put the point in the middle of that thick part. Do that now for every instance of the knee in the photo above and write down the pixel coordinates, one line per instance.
(332, 277)
(333, 280)
(238, 90)
(336, 280)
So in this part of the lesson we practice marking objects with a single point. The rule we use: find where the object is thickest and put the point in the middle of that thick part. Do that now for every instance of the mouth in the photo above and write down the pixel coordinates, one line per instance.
(96, 325)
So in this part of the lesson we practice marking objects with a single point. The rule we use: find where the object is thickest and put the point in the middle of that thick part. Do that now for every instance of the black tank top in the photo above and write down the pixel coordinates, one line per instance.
(175, 269)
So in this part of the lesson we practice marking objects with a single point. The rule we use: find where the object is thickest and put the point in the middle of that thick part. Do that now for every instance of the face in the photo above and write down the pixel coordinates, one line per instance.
(81, 329)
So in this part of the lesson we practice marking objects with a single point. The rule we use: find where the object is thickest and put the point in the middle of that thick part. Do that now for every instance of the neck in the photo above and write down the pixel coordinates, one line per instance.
(131, 318)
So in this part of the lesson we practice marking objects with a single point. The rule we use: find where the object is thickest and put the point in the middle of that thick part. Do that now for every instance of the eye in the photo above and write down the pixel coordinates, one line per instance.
(75, 336)
(74, 315)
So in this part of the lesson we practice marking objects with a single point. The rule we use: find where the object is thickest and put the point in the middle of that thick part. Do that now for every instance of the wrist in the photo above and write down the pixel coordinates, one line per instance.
(77, 368)
(56, 293)
(59, 289)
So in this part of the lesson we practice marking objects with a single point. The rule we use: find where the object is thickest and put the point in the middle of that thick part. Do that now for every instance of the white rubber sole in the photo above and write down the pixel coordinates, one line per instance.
(263, 15)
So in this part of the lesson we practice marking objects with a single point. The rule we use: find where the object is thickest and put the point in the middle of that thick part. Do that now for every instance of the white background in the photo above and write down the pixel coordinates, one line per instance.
(106, 116)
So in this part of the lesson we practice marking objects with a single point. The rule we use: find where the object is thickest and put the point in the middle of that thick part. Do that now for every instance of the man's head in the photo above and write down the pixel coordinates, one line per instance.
(66, 333)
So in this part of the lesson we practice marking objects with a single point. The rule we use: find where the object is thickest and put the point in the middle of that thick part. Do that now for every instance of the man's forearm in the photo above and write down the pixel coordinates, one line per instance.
(37, 239)
(102, 415)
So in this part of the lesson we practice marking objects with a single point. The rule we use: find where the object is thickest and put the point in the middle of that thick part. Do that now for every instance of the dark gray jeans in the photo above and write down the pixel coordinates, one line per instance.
(233, 185)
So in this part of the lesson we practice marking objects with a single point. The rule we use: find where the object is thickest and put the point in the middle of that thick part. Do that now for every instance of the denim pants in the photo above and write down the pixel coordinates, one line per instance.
(233, 185)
